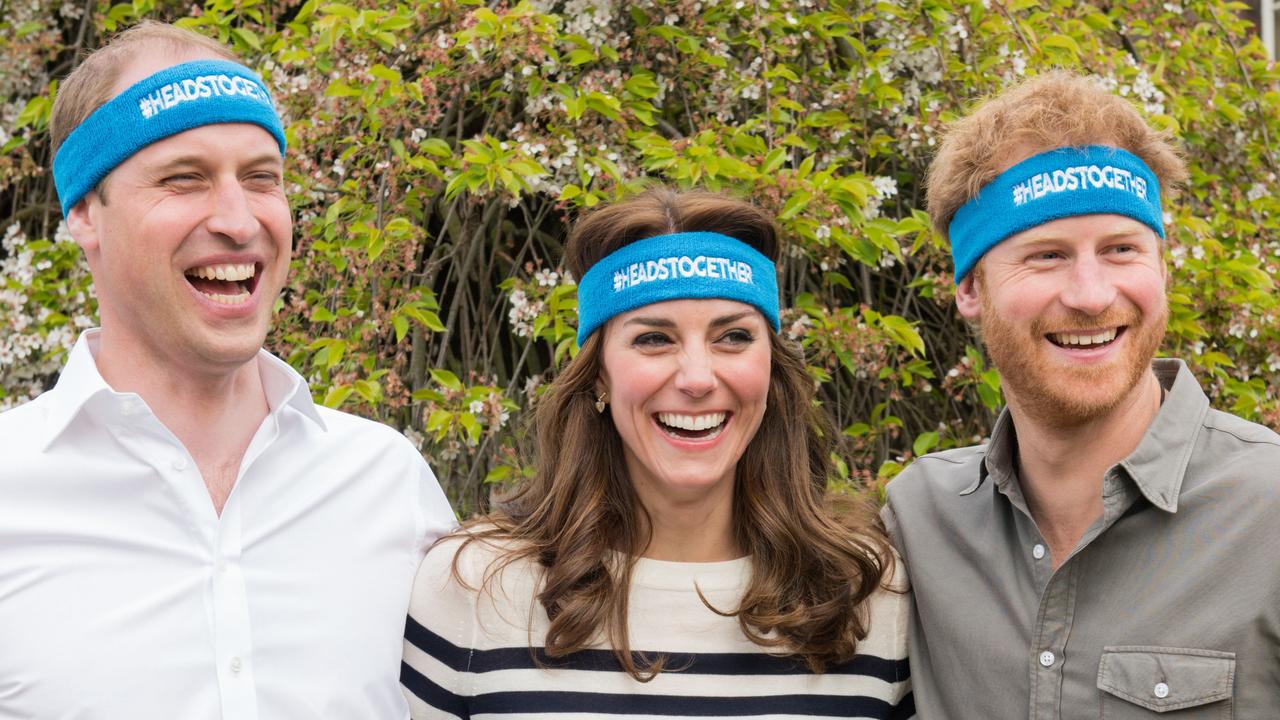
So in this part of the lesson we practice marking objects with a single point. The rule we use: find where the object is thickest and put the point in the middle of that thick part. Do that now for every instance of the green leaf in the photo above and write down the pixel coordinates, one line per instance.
(382, 72)
(337, 395)
(580, 57)
(1062, 42)
(339, 88)
(368, 390)
(248, 37)
(498, 474)
(35, 113)
(903, 333)
(447, 379)
(773, 161)
(924, 442)
(642, 84)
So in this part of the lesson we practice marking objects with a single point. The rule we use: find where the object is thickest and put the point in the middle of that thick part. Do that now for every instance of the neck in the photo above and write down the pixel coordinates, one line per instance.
(214, 414)
(699, 530)
(1061, 468)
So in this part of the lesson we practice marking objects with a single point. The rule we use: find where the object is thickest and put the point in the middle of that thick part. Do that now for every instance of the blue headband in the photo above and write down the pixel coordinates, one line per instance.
(171, 101)
(1060, 183)
(675, 267)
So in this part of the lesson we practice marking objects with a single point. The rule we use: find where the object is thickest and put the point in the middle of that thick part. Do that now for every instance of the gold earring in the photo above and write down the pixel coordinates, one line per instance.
(600, 402)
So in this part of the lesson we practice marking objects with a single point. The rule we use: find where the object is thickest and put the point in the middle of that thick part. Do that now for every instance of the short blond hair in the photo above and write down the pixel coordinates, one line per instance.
(1055, 109)
(89, 86)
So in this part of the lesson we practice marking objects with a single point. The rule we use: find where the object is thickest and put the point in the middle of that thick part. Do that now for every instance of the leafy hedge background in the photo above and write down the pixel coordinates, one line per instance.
(438, 151)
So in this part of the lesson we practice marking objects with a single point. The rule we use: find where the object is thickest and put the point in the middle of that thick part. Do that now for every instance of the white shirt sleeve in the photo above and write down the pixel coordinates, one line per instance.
(435, 517)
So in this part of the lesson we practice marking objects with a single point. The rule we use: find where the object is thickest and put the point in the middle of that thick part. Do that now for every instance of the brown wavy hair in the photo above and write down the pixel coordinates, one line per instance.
(813, 568)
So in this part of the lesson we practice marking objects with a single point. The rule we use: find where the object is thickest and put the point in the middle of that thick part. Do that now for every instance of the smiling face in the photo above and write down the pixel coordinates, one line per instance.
(687, 382)
(1072, 312)
(191, 245)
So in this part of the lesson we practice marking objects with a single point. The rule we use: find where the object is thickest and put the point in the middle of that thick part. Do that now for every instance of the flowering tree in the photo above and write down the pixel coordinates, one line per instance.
(438, 151)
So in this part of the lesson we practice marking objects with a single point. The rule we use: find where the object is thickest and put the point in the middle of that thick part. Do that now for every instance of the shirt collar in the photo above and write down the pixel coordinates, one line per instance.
(998, 460)
(1160, 461)
(1156, 466)
(286, 388)
(80, 383)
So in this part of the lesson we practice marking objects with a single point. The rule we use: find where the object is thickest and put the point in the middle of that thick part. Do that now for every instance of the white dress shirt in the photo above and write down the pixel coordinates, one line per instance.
(123, 595)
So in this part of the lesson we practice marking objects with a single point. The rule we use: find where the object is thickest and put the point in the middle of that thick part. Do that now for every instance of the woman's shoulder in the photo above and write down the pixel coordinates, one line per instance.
(470, 561)
(888, 610)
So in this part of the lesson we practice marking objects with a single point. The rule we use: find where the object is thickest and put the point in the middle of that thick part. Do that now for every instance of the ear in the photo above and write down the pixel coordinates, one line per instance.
(82, 223)
(967, 300)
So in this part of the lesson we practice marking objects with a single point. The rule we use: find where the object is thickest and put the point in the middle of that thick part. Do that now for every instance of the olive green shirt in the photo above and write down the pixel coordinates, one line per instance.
(1171, 601)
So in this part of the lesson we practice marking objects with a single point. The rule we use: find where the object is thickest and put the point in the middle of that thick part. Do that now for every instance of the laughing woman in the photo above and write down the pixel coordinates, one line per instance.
(675, 553)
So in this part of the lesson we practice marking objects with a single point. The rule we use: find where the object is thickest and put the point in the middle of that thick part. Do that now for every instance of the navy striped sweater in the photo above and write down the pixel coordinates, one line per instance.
(466, 655)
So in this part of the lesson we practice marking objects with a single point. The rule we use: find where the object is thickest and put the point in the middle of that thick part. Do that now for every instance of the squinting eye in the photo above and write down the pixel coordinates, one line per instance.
(738, 336)
(651, 339)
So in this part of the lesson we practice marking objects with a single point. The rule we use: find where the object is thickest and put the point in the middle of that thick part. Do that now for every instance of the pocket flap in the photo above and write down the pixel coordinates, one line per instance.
(1164, 679)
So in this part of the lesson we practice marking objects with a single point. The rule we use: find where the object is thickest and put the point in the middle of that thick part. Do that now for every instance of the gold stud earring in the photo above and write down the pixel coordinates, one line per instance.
(600, 402)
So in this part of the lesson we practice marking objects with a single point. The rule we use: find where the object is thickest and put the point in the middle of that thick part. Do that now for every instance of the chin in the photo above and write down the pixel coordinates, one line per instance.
(231, 351)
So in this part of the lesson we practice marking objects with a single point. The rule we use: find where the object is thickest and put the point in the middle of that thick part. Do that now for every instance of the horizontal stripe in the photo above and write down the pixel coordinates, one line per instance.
(905, 709)
(680, 706)
(736, 664)
(431, 693)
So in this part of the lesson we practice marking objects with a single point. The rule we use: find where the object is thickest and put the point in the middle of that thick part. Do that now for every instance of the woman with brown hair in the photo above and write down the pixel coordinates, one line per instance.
(676, 553)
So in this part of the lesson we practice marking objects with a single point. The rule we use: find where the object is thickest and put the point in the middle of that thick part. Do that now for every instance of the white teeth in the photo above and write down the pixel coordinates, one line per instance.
(223, 272)
(227, 299)
(691, 422)
(1099, 338)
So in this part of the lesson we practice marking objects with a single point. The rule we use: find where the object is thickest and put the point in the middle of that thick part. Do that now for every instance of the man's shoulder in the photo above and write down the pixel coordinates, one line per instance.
(946, 472)
(23, 427)
(372, 434)
(1248, 436)
(1241, 455)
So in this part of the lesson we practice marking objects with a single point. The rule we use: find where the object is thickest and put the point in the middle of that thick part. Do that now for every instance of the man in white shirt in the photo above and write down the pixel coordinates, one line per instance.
(184, 535)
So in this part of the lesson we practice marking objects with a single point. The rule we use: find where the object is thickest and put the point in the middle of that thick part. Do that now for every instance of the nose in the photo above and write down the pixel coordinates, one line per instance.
(231, 213)
(696, 376)
(1089, 287)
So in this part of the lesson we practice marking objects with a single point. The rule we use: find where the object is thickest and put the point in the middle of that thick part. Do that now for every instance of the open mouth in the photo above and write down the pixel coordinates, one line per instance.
(1085, 339)
(693, 427)
(229, 284)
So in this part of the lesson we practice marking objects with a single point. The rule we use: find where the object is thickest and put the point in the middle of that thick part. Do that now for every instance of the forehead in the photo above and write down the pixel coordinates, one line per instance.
(689, 311)
(151, 60)
(1083, 229)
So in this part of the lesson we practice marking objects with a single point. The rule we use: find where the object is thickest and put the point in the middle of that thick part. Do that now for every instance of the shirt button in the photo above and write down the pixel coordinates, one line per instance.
(235, 665)
(179, 464)
(1037, 552)
(1161, 690)
(1047, 658)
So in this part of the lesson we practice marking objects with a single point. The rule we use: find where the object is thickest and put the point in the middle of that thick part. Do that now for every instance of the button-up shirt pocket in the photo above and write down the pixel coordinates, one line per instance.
(1138, 680)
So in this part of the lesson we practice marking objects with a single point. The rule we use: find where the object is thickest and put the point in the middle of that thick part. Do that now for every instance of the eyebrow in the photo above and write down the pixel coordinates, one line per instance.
(729, 319)
(197, 160)
(668, 324)
(651, 321)
(1114, 235)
